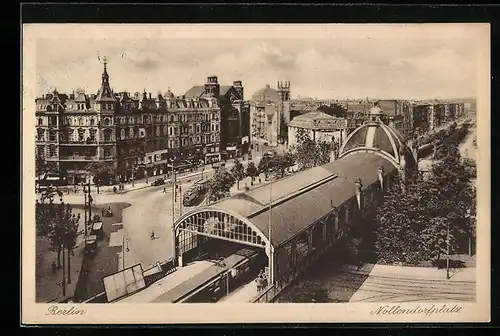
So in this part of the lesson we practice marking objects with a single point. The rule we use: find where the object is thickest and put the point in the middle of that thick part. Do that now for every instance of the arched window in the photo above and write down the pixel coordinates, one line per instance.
(131, 132)
(40, 122)
(171, 118)
(80, 121)
(92, 121)
(81, 134)
(106, 121)
(144, 120)
(157, 130)
(40, 134)
(107, 135)
(122, 133)
(92, 134)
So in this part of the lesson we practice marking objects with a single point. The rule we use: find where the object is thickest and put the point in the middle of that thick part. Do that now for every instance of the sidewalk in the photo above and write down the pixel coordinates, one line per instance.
(418, 273)
(106, 194)
(48, 285)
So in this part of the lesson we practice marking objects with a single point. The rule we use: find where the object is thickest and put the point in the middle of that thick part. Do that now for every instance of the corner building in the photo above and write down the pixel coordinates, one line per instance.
(135, 134)
(234, 114)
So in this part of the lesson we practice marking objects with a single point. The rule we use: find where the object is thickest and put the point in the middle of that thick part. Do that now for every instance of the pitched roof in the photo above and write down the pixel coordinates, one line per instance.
(224, 89)
(266, 94)
(195, 92)
(301, 199)
(318, 120)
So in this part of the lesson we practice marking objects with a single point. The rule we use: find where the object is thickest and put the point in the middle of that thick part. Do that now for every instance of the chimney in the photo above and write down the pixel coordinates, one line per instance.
(150, 95)
(359, 188)
(381, 178)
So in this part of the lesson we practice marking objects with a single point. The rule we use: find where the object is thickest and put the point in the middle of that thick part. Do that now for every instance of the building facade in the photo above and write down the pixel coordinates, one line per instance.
(269, 109)
(319, 126)
(134, 134)
(234, 114)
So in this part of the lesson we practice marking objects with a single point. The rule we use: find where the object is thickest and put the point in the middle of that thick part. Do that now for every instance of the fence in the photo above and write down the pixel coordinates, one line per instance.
(270, 293)
(167, 268)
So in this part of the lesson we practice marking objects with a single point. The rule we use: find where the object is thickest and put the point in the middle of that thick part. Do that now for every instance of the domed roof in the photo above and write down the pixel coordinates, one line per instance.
(381, 138)
(169, 94)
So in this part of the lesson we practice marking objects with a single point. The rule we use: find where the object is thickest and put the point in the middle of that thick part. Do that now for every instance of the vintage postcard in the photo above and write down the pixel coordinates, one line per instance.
(255, 173)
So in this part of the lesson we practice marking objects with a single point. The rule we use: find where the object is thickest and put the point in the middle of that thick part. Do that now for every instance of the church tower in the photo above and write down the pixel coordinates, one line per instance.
(105, 97)
(283, 105)
(105, 106)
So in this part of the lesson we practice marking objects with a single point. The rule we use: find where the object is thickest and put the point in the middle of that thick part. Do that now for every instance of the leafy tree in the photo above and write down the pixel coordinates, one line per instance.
(451, 195)
(219, 185)
(63, 234)
(101, 172)
(471, 167)
(44, 211)
(324, 150)
(70, 231)
(238, 172)
(252, 170)
(305, 150)
(427, 219)
(280, 163)
(400, 219)
(310, 153)
(265, 165)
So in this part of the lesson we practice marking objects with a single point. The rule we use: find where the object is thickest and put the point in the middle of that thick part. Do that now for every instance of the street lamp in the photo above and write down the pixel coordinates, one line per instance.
(125, 249)
(85, 209)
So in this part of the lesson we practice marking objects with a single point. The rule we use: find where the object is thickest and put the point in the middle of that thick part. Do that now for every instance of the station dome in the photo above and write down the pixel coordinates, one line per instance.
(378, 137)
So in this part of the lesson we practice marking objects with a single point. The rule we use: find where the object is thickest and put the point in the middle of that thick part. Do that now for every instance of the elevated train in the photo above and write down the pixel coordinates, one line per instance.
(240, 267)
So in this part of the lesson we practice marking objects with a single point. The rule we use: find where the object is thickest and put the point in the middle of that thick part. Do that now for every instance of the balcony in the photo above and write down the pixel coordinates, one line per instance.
(78, 143)
(78, 158)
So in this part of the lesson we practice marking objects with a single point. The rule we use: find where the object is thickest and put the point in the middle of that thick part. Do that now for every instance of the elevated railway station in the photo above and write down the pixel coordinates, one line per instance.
(285, 226)
(293, 221)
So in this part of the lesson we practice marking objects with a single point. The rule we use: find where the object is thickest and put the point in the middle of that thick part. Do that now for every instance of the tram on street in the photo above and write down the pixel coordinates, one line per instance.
(195, 194)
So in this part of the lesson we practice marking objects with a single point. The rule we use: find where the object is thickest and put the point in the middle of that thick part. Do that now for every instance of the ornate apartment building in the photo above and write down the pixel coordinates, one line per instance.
(268, 108)
(234, 114)
(133, 133)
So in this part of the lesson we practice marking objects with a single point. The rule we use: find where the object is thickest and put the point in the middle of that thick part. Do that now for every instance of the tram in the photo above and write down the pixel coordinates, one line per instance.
(195, 194)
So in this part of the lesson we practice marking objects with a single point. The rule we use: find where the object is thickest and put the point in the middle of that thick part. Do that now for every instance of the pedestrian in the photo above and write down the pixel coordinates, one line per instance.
(164, 190)
(153, 235)
(53, 266)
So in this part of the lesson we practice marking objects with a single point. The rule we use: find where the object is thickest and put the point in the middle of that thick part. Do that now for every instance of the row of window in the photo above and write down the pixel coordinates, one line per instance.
(80, 135)
(76, 121)
(130, 120)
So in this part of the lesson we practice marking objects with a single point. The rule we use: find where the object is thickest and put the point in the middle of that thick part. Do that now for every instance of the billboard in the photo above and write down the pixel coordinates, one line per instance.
(123, 283)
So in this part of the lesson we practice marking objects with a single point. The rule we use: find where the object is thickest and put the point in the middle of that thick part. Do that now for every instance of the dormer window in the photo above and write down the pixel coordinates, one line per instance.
(106, 121)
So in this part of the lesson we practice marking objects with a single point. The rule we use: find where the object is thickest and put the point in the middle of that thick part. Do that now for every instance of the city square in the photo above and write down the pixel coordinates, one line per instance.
(217, 194)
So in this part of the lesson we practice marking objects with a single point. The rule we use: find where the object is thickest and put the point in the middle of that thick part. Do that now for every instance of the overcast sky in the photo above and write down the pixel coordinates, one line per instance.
(417, 68)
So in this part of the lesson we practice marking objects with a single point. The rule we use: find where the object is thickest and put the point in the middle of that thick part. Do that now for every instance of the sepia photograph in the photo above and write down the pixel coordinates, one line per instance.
(255, 170)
